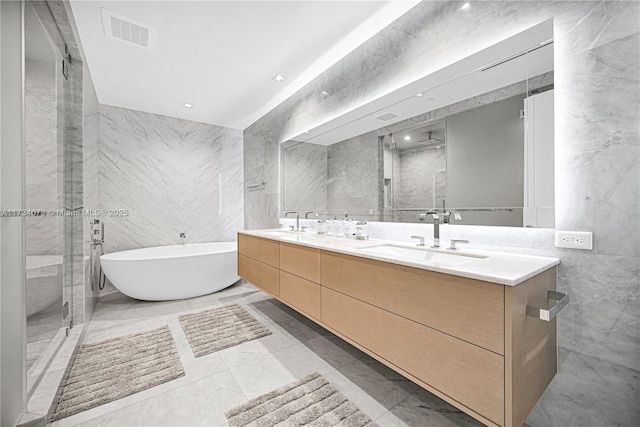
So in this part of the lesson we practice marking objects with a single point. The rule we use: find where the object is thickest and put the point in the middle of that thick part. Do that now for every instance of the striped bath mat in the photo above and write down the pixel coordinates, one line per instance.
(311, 401)
(115, 368)
(216, 329)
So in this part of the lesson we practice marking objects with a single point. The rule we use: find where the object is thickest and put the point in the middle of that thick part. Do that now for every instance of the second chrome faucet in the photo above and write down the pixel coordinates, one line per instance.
(436, 226)
(286, 214)
(448, 217)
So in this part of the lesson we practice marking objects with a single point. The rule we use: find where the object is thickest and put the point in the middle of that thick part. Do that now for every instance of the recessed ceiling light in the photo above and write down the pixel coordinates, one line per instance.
(325, 93)
(419, 95)
(307, 131)
(465, 6)
(279, 78)
(407, 138)
(187, 105)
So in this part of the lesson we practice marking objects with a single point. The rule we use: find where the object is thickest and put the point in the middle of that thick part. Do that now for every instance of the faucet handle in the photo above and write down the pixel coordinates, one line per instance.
(421, 240)
(453, 244)
(450, 216)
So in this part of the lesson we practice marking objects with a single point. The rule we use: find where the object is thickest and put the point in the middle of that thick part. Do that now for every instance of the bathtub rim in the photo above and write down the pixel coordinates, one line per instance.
(117, 256)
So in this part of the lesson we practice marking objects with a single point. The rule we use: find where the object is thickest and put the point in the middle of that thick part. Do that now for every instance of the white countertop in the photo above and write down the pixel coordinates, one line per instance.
(497, 267)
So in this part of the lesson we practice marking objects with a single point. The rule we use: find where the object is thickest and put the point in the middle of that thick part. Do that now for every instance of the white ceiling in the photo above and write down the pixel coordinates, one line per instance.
(221, 56)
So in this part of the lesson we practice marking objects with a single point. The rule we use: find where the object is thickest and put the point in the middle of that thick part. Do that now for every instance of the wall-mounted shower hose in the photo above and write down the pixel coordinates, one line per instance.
(97, 239)
(101, 277)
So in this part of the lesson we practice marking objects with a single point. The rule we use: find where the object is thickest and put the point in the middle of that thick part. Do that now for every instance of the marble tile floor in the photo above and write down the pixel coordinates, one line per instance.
(222, 380)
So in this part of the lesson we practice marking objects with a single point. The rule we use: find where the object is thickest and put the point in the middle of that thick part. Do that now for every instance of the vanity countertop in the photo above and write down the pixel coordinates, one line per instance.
(497, 267)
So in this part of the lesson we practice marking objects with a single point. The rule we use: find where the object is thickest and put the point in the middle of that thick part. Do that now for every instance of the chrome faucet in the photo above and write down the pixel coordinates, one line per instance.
(306, 215)
(436, 226)
(286, 214)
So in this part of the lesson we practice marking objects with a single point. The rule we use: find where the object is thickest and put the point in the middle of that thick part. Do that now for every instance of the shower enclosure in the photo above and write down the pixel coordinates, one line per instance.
(52, 214)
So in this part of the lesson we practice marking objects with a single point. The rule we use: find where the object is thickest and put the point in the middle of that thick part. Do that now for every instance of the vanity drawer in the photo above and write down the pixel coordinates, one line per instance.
(471, 310)
(467, 373)
(300, 293)
(264, 250)
(260, 274)
(301, 261)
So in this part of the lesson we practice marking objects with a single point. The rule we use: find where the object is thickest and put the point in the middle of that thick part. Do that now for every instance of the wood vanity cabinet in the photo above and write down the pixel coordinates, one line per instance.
(467, 341)
(259, 262)
(300, 278)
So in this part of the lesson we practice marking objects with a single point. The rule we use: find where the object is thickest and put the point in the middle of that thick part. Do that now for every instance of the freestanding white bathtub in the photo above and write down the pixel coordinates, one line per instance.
(172, 272)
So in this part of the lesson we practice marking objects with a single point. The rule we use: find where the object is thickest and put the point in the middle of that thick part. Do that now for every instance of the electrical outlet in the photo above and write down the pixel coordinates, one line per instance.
(574, 240)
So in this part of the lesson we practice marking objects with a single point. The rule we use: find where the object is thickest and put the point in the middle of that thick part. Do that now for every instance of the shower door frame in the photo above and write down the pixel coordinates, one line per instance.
(12, 239)
(64, 112)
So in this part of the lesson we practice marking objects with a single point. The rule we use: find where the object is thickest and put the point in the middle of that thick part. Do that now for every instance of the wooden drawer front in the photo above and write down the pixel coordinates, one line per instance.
(264, 250)
(300, 293)
(260, 274)
(467, 373)
(468, 309)
(301, 261)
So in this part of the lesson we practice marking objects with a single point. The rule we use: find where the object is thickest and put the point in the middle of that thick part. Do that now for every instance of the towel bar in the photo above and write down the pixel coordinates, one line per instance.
(548, 314)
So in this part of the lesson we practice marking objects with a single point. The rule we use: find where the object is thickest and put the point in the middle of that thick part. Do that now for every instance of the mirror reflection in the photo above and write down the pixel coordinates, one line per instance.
(488, 157)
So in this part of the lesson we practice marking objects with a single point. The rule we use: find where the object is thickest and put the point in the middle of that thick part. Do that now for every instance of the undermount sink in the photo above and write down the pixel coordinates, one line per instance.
(419, 254)
(284, 232)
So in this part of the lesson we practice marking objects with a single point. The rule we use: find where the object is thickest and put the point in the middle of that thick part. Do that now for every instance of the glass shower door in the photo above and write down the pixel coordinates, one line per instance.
(49, 244)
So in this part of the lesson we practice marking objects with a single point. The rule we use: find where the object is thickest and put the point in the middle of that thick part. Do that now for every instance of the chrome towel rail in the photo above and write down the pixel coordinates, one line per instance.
(548, 314)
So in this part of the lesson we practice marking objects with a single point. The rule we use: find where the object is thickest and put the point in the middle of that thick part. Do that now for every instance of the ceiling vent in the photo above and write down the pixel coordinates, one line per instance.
(387, 116)
(128, 30)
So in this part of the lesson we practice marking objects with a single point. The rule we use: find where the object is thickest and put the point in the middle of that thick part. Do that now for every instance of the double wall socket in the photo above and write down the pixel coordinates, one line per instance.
(574, 240)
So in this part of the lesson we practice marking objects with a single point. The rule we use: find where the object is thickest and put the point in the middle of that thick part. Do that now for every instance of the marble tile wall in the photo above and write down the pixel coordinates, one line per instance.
(73, 191)
(173, 176)
(304, 177)
(353, 175)
(91, 135)
(422, 177)
(597, 92)
(43, 234)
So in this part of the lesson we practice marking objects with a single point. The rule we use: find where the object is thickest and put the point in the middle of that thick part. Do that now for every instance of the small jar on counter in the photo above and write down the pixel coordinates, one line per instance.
(361, 230)
(321, 227)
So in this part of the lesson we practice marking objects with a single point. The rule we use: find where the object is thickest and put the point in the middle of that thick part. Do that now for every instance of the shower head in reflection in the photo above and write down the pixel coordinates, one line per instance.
(431, 140)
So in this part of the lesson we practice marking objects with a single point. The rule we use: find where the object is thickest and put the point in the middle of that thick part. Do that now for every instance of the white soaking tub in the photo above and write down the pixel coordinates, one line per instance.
(165, 273)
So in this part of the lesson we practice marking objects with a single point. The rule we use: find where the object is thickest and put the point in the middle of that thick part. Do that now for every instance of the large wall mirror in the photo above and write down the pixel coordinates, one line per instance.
(475, 137)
